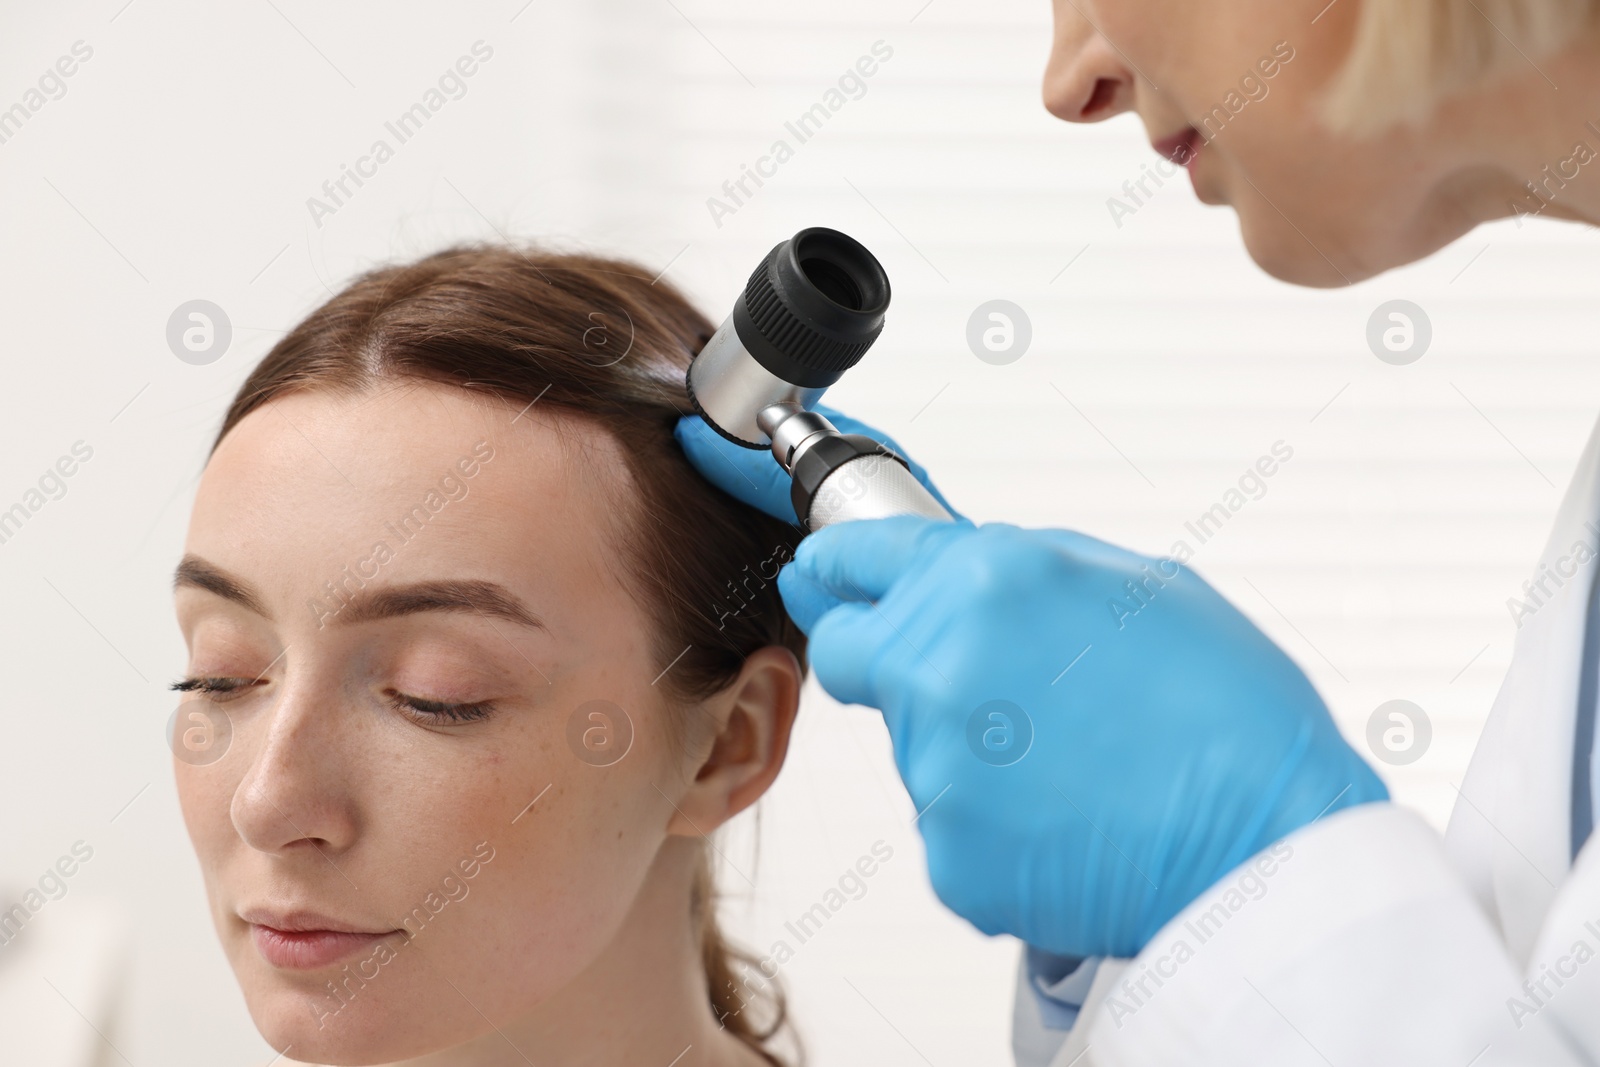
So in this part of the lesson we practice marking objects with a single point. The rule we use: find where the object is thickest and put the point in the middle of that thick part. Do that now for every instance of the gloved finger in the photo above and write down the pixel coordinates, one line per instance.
(747, 474)
(1091, 551)
(860, 560)
(844, 646)
(804, 599)
(846, 424)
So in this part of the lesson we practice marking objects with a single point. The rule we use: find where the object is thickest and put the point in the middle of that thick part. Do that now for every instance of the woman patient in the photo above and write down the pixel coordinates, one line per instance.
(488, 661)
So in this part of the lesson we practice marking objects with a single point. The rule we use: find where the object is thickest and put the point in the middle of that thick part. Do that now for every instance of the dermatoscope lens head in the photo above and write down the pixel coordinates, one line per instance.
(813, 307)
(809, 312)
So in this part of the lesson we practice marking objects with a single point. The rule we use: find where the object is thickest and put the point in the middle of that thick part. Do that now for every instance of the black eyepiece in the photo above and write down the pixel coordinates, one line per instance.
(813, 307)
(833, 282)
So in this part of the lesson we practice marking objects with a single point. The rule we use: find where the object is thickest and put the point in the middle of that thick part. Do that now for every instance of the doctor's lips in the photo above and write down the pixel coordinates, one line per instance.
(1182, 148)
(304, 940)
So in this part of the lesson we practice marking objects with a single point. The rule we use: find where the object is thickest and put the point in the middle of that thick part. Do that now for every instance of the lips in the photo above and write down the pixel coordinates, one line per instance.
(306, 940)
(1182, 148)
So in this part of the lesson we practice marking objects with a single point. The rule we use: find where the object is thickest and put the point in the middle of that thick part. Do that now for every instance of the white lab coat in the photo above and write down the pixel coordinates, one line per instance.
(1374, 942)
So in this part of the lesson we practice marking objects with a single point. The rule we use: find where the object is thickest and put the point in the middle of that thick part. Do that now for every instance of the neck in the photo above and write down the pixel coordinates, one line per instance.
(1530, 142)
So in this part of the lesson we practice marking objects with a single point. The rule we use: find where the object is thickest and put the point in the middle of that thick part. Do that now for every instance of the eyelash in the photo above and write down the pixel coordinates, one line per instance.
(426, 711)
(209, 685)
(437, 711)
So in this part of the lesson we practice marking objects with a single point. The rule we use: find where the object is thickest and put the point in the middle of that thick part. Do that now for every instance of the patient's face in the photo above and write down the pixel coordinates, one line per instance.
(385, 750)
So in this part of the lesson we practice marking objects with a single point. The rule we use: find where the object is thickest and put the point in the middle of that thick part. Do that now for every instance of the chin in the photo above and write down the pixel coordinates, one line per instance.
(1206, 191)
(1288, 255)
(317, 1029)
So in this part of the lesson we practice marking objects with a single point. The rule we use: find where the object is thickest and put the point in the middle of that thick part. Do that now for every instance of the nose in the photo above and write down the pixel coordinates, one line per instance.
(295, 795)
(1086, 80)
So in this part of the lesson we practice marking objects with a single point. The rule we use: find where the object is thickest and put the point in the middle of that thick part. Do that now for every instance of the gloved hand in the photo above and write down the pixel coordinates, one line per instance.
(754, 476)
(1151, 740)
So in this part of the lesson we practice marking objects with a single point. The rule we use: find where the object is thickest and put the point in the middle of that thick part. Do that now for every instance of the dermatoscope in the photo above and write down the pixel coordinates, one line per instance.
(808, 314)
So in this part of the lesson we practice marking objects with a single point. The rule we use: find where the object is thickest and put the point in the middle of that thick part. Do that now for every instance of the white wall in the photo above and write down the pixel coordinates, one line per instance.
(177, 167)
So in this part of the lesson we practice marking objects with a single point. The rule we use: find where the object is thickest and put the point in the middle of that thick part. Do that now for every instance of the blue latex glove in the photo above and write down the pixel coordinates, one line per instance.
(1148, 749)
(754, 476)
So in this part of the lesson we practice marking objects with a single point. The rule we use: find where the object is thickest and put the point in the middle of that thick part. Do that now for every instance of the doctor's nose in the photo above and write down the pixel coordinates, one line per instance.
(293, 796)
(1086, 80)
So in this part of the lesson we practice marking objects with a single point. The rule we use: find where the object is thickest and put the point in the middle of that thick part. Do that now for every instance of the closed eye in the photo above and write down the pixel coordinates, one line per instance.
(438, 711)
(420, 709)
(211, 685)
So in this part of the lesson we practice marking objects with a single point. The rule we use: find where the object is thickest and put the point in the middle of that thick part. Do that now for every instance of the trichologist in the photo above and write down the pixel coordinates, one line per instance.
(1203, 869)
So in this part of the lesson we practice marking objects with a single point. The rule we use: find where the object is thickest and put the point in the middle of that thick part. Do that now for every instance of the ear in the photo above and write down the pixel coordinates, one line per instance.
(751, 719)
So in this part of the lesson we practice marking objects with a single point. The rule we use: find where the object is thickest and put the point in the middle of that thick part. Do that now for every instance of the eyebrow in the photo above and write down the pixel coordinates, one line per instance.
(465, 596)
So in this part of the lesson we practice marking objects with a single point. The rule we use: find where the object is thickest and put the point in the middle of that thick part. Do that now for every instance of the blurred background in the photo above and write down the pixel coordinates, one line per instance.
(177, 162)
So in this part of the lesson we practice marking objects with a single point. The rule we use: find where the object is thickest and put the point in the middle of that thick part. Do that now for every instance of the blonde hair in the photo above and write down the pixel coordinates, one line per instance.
(1408, 55)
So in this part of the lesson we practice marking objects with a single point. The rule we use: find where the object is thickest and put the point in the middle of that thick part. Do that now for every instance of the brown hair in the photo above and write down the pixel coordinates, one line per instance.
(598, 339)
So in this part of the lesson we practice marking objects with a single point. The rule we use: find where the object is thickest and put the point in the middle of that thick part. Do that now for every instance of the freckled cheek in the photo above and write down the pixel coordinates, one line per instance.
(530, 792)
(586, 818)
